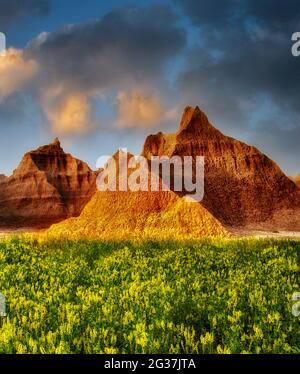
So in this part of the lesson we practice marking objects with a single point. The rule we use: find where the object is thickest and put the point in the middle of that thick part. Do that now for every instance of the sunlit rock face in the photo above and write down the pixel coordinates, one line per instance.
(49, 185)
(243, 187)
(150, 214)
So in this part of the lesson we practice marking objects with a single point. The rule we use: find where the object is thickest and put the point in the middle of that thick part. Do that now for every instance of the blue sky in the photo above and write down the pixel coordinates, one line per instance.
(124, 69)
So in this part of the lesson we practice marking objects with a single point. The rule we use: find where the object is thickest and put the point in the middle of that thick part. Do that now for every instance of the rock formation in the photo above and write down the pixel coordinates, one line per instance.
(142, 214)
(49, 185)
(243, 187)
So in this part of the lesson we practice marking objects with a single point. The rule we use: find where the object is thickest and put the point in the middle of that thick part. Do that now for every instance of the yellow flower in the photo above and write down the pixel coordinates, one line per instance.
(207, 339)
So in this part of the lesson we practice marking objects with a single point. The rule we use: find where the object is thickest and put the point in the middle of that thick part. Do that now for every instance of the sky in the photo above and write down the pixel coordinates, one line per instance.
(102, 75)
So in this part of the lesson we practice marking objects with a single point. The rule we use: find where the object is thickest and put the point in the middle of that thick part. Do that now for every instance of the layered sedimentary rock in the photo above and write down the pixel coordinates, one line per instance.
(48, 186)
(141, 214)
(243, 187)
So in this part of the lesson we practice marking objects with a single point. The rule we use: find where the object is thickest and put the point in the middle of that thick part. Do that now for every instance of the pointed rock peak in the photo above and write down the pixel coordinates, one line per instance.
(53, 148)
(195, 122)
(195, 115)
(56, 142)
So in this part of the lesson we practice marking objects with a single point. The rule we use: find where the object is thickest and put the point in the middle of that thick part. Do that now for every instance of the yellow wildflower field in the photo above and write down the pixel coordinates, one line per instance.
(208, 296)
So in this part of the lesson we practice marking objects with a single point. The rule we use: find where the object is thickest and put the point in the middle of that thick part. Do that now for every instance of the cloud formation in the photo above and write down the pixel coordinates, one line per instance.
(126, 49)
(15, 72)
(135, 110)
(13, 10)
(241, 69)
(237, 66)
(245, 50)
(68, 114)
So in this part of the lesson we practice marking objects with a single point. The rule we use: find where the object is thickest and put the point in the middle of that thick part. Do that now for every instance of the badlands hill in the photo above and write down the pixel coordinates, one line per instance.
(48, 186)
(141, 214)
(243, 187)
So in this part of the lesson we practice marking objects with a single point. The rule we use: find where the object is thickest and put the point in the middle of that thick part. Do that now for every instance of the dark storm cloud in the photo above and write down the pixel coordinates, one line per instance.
(12, 10)
(246, 48)
(275, 13)
(243, 61)
(214, 12)
(127, 45)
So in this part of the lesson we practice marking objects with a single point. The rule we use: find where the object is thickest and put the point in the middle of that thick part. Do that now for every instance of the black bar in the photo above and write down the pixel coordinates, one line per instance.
(137, 363)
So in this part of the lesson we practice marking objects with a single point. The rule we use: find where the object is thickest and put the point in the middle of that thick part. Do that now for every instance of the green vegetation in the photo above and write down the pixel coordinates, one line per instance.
(210, 296)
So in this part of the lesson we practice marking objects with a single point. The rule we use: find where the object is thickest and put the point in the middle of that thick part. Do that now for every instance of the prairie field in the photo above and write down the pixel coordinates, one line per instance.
(208, 296)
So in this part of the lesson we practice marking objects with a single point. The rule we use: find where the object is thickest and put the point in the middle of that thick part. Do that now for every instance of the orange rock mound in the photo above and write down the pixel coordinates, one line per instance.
(48, 186)
(141, 214)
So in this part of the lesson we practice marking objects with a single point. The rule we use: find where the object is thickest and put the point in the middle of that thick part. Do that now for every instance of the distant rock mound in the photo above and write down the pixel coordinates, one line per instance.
(243, 187)
(48, 186)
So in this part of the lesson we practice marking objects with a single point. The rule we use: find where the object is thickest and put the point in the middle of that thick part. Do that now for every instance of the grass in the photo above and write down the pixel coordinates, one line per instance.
(209, 296)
